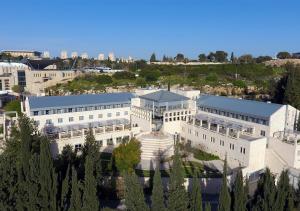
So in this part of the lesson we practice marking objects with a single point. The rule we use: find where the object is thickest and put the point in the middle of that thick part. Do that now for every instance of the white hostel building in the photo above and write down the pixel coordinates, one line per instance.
(252, 134)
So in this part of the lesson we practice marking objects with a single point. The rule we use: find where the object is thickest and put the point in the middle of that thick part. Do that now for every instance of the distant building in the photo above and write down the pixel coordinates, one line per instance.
(296, 55)
(84, 56)
(74, 55)
(23, 53)
(101, 57)
(46, 54)
(63, 55)
(111, 57)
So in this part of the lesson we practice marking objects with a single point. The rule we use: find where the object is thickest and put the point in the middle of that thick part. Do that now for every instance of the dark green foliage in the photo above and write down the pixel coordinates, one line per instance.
(124, 75)
(224, 198)
(150, 75)
(134, 196)
(207, 207)
(157, 197)
(153, 58)
(76, 200)
(14, 105)
(283, 192)
(48, 178)
(239, 199)
(292, 91)
(195, 196)
(283, 55)
(178, 198)
(66, 190)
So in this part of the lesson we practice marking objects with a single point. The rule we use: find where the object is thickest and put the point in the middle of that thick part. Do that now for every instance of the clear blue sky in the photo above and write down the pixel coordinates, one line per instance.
(140, 27)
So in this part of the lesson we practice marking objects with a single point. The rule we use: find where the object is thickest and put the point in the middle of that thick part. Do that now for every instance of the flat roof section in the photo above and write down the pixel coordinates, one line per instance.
(164, 96)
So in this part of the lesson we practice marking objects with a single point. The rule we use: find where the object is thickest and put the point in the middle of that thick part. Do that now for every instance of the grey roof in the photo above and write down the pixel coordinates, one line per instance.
(78, 100)
(163, 96)
(240, 106)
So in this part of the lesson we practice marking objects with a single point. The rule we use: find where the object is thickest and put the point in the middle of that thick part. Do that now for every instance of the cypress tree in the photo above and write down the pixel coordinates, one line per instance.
(224, 197)
(90, 200)
(34, 183)
(48, 178)
(283, 189)
(75, 200)
(196, 197)
(207, 206)
(134, 195)
(178, 198)
(239, 200)
(157, 197)
(65, 190)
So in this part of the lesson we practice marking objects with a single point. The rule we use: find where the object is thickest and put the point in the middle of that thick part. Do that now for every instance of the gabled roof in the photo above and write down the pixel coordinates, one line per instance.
(78, 100)
(163, 96)
(240, 106)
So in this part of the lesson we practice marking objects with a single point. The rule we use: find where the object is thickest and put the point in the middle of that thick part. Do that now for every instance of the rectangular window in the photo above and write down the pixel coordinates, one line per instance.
(35, 113)
(118, 114)
(100, 116)
(263, 133)
(71, 119)
(81, 118)
(60, 120)
(48, 121)
(125, 113)
(109, 115)
(91, 116)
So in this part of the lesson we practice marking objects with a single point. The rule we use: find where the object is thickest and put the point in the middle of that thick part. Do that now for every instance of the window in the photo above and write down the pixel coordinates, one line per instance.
(109, 142)
(109, 115)
(125, 113)
(47, 112)
(77, 147)
(60, 120)
(71, 119)
(100, 116)
(35, 113)
(119, 140)
(91, 116)
(48, 121)
(70, 110)
(81, 118)
(263, 133)
(118, 114)
(100, 143)
(204, 136)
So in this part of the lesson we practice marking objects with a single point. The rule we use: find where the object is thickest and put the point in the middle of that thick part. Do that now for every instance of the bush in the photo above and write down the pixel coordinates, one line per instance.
(201, 155)
(239, 83)
(14, 105)
(124, 75)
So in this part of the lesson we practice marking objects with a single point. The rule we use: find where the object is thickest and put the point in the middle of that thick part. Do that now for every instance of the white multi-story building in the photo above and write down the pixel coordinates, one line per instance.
(101, 57)
(84, 55)
(251, 134)
(63, 54)
(111, 57)
(74, 55)
(46, 54)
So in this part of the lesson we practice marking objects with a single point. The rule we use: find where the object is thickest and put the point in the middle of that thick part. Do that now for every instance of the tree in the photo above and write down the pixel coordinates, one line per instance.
(196, 198)
(262, 59)
(179, 57)
(14, 105)
(211, 57)
(48, 178)
(292, 91)
(89, 198)
(246, 59)
(153, 58)
(75, 200)
(221, 56)
(178, 198)
(66, 190)
(232, 58)
(224, 197)
(283, 55)
(283, 191)
(239, 200)
(157, 197)
(127, 155)
(207, 207)
(202, 57)
(134, 195)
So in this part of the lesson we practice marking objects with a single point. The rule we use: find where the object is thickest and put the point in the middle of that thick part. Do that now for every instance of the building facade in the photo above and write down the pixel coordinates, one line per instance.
(250, 134)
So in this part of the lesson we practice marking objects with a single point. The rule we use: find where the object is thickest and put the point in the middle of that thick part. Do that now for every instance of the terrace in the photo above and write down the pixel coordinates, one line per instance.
(81, 130)
(231, 129)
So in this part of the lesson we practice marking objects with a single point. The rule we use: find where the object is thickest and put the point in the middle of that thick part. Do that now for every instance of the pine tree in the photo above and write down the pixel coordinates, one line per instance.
(196, 197)
(134, 195)
(153, 58)
(178, 198)
(34, 182)
(157, 197)
(66, 190)
(239, 200)
(224, 198)
(207, 206)
(90, 200)
(48, 178)
(75, 200)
